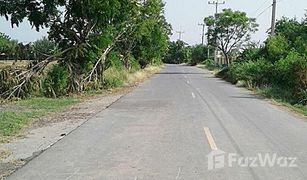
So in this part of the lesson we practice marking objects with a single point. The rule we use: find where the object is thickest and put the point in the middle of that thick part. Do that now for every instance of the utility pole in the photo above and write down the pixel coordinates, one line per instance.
(273, 18)
(216, 3)
(180, 34)
(203, 33)
(208, 44)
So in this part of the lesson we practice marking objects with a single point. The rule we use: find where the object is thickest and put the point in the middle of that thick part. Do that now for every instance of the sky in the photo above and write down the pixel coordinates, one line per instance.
(184, 15)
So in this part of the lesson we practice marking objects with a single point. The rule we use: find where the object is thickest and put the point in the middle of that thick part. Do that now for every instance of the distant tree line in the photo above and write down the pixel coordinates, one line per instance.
(180, 52)
(14, 50)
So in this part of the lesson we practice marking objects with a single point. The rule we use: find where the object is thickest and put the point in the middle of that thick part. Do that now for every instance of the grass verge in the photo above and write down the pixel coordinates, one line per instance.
(22, 113)
(282, 98)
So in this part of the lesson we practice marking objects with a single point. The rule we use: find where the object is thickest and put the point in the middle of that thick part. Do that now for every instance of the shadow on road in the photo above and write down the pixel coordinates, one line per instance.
(248, 97)
(179, 73)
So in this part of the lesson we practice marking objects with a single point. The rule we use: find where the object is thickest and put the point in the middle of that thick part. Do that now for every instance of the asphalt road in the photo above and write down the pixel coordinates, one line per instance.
(166, 128)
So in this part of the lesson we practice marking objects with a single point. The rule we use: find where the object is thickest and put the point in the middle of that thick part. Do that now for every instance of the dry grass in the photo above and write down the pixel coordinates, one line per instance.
(4, 153)
(5, 63)
(19, 63)
(139, 76)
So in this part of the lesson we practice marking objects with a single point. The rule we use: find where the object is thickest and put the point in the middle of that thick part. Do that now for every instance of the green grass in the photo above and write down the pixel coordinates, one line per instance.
(282, 97)
(20, 114)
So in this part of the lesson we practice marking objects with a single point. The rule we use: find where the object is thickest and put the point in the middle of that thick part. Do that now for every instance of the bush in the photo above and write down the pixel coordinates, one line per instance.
(254, 73)
(276, 48)
(56, 82)
(133, 64)
(209, 63)
(291, 73)
(114, 61)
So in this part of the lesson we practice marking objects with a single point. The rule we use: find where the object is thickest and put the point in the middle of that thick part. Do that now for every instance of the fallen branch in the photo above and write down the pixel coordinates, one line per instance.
(25, 76)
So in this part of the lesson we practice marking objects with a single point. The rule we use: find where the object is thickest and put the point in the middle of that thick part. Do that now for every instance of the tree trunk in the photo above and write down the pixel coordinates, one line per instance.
(226, 58)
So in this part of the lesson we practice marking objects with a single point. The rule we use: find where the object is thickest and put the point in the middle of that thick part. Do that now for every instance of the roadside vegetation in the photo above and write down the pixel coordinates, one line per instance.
(276, 69)
(91, 47)
(16, 115)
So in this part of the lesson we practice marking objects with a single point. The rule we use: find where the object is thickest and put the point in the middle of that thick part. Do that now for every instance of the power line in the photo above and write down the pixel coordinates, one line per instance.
(260, 7)
(263, 11)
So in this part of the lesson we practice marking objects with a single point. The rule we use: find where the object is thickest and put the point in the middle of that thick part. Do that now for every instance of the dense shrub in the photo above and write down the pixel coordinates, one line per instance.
(291, 73)
(133, 64)
(114, 61)
(276, 48)
(209, 63)
(56, 81)
(254, 73)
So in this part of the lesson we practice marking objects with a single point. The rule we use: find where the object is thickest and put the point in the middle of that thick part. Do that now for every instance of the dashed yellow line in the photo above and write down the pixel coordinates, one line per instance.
(210, 138)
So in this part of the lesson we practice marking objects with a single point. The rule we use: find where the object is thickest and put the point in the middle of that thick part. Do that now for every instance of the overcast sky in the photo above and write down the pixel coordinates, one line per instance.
(185, 15)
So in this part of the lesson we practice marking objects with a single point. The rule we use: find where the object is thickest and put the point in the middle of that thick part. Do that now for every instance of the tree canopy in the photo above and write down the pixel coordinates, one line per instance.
(230, 29)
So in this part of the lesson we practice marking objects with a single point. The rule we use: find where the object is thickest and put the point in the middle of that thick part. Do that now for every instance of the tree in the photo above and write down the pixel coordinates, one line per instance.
(4, 43)
(39, 13)
(230, 29)
(43, 48)
(151, 33)
(294, 32)
(177, 53)
(199, 53)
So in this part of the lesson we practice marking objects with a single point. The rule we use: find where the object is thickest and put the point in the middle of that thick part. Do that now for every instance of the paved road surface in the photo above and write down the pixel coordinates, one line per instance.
(166, 128)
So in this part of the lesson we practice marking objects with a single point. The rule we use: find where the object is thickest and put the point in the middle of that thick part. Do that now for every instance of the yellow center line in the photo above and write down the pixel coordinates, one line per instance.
(210, 138)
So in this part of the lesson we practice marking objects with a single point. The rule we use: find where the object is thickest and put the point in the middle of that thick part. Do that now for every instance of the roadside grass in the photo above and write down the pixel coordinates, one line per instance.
(141, 75)
(22, 113)
(213, 69)
(283, 98)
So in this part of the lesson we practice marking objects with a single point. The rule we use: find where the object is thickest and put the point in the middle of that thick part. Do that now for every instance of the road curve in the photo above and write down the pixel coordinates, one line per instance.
(167, 127)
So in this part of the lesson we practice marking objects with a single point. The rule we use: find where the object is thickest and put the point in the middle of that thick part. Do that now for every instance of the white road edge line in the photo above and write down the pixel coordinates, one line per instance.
(210, 138)
(193, 95)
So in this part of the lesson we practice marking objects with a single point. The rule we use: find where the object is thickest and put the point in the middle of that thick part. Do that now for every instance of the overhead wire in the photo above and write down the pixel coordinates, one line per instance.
(263, 11)
(260, 7)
